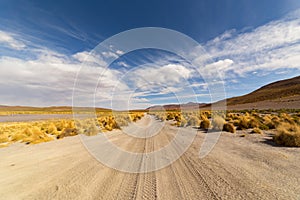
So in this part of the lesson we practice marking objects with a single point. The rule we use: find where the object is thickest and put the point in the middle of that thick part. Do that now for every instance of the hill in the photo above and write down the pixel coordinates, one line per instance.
(188, 106)
(276, 95)
(273, 91)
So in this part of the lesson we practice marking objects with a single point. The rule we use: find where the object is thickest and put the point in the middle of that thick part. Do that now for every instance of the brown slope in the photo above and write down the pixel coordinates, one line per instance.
(47, 109)
(187, 106)
(277, 90)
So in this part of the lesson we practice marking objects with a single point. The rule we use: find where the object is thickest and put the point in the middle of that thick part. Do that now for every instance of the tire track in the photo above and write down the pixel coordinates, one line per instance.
(148, 181)
(189, 178)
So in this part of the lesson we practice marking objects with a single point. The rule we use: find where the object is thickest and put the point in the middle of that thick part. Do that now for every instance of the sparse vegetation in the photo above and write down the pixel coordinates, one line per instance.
(285, 125)
(47, 130)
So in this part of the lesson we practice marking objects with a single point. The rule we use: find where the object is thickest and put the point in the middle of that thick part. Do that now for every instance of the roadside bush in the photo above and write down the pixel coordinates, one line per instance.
(267, 120)
(218, 123)
(257, 130)
(3, 137)
(205, 124)
(263, 127)
(193, 121)
(243, 123)
(52, 129)
(288, 135)
(170, 116)
(68, 132)
(253, 123)
(229, 127)
(286, 118)
(182, 122)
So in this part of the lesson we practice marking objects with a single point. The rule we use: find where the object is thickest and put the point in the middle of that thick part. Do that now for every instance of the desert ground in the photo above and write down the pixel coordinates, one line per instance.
(250, 167)
(32, 117)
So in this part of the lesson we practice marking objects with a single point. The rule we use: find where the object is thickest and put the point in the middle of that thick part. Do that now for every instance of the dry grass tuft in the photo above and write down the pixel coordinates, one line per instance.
(288, 135)
(193, 121)
(205, 124)
(257, 130)
(243, 123)
(229, 127)
(218, 123)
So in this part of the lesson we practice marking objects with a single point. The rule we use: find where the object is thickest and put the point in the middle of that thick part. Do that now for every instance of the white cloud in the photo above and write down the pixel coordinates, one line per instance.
(273, 46)
(49, 80)
(89, 58)
(9, 40)
(109, 54)
(167, 75)
(119, 52)
(221, 66)
(124, 64)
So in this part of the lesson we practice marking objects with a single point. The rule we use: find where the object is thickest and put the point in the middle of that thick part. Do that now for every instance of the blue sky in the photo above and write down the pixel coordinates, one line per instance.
(44, 43)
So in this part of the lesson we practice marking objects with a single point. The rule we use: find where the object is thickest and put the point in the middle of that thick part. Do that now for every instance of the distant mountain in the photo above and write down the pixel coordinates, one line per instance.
(188, 106)
(47, 109)
(276, 90)
(276, 95)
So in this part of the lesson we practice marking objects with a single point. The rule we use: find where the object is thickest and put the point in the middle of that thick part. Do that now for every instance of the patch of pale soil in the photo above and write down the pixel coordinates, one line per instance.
(32, 117)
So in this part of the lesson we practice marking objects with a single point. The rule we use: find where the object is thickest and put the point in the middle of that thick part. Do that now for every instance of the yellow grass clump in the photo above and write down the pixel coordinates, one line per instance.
(218, 123)
(4, 137)
(257, 130)
(205, 124)
(47, 130)
(229, 127)
(193, 121)
(287, 135)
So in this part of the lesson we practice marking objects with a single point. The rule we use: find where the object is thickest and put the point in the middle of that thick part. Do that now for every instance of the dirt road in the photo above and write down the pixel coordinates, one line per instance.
(237, 168)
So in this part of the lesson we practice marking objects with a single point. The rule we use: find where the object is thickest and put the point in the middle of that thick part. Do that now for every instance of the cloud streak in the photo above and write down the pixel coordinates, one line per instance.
(9, 40)
(273, 46)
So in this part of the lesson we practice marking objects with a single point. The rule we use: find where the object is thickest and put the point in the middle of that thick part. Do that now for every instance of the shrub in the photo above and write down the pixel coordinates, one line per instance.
(243, 123)
(205, 124)
(68, 132)
(52, 129)
(122, 122)
(253, 123)
(286, 118)
(267, 120)
(193, 121)
(218, 123)
(229, 127)
(93, 130)
(263, 127)
(288, 135)
(170, 116)
(3, 137)
(257, 130)
(182, 122)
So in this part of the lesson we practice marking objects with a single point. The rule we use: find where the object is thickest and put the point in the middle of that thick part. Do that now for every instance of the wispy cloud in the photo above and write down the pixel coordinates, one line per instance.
(9, 40)
(273, 46)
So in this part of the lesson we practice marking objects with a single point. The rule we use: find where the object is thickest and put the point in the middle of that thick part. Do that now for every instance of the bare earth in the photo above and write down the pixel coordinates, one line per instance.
(32, 117)
(237, 168)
